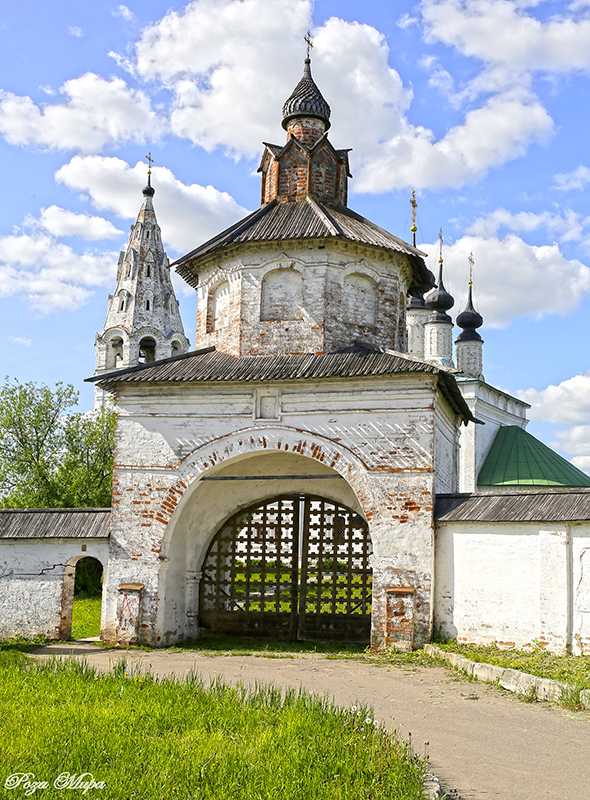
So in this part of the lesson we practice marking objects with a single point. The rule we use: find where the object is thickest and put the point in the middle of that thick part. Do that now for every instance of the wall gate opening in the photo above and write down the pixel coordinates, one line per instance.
(293, 567)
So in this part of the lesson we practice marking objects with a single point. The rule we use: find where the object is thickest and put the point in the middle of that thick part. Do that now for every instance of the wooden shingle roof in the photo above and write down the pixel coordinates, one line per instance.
(55, 523)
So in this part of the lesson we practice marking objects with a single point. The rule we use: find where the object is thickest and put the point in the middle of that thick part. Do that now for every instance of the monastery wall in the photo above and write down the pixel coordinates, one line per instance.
(32, 585)
(376, 436)
(514, 584)
(303, 299)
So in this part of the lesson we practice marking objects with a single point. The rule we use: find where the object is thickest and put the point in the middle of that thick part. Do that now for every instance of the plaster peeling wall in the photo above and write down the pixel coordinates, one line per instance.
(514, 584)
(31, 602)
(301, 299)
(375, 435)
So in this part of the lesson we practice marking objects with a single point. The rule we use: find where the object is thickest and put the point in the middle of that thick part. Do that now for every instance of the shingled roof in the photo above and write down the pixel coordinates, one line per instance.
(55, 523)
(208, 365)
(550, 505)
(308, 219)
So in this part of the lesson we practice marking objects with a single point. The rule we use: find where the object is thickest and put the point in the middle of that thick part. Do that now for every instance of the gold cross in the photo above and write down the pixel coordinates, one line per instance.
(308, 41)
(150, 161)
(440, 246)
(471, 261)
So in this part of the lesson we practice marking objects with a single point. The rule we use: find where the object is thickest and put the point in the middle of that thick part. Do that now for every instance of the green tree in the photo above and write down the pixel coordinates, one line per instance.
(50, 455)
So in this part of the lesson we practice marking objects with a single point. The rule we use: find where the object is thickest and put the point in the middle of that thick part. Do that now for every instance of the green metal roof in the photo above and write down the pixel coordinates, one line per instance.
(516, 458)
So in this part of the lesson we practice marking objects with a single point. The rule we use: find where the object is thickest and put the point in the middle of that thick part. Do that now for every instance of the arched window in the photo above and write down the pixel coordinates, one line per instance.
(147, 236)
(281, 295)
(218, 308)
(176, 348)
(122, 300)
(360, 299)
(147, 304)
(148, 270)
(147, 350)
(115, 352)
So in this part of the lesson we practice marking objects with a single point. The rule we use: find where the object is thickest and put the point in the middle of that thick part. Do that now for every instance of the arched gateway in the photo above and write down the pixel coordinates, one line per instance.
(296, 567)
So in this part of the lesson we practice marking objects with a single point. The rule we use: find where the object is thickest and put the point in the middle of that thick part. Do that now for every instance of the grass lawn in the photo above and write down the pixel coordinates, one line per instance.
(569, 669)
(85, 617)
(150, 739)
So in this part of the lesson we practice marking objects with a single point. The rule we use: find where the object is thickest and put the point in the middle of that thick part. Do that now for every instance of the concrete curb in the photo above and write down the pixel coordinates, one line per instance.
(513, 680)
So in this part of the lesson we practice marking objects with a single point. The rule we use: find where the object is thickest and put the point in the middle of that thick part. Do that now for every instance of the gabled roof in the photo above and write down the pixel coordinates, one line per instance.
(276, 151)
(208, 365)
(516, 458)
(308, 219)
(55, 523)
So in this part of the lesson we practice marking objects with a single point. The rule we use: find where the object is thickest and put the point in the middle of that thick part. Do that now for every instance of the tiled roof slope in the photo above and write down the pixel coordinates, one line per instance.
(208, 365)
(308, 219)
(516, 458)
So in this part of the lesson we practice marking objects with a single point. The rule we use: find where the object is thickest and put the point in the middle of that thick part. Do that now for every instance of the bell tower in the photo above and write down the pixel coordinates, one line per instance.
(143, 320)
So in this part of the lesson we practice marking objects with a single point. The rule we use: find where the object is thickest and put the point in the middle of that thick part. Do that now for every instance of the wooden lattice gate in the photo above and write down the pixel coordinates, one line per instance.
(294, 567)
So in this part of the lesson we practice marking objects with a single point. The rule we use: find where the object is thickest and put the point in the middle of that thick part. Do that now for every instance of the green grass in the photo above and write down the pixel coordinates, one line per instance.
(85, 617)
(569, 669)
(149, 739)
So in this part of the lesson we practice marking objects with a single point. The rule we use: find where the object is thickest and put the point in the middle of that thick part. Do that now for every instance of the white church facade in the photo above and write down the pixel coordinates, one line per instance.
(324, 464)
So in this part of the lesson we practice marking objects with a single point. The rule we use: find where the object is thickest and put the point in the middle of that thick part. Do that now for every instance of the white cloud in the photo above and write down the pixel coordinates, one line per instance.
(124, 12)
(567, 404)
(61, 222)
(75, 31)
(51, 275)
(227, 95)
(566, 225)
(511, 278)
(189, 214)
(500, 32)
(23, 341)
(96, 113)
(568, 401)
(491, 135)
(577, 179)
(575, 441)
(407, 21)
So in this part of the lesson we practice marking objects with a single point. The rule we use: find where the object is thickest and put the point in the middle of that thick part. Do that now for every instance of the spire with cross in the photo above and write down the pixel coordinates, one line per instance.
(149, 190)
(414, 206)
(309, 42)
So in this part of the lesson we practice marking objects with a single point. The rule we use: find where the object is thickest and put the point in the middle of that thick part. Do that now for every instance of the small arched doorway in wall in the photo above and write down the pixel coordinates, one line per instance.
(293, 567)
(81, 598)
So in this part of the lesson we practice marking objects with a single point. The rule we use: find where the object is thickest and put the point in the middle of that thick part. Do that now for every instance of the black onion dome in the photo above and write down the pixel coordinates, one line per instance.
(306, 100)
(469, 320)
(148, 190)
(439, 299)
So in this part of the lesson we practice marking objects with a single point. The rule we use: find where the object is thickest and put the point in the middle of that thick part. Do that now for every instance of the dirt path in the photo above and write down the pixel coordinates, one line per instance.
(481, 742)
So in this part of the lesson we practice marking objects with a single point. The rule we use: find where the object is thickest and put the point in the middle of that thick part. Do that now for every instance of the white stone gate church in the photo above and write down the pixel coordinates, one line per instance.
(317, 467)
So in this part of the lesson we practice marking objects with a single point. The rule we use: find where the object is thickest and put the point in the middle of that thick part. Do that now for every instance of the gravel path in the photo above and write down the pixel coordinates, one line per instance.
(481, 742)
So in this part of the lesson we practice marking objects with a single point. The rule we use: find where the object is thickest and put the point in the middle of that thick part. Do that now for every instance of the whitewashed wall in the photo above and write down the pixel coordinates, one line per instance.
(378, 434)
(514, 584)
(32, 579)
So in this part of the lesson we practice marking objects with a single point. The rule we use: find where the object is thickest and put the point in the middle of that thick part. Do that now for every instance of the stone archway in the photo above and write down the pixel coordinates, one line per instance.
(257, 465)
(70, 579)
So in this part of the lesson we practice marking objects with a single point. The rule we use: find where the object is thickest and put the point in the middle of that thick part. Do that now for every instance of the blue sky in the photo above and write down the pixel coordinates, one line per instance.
(481, 105)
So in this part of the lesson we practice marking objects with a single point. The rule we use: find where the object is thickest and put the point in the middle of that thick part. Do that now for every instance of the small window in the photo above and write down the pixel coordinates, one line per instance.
(147, 350)
(148, 271)
(147, 305)
(147, 236)
(122, 301)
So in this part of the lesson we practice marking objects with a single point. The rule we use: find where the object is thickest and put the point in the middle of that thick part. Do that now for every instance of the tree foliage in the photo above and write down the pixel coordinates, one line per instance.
(50, 455)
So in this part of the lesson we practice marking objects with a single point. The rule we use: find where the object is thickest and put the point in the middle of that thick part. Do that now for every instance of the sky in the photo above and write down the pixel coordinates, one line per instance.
(480, 105)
